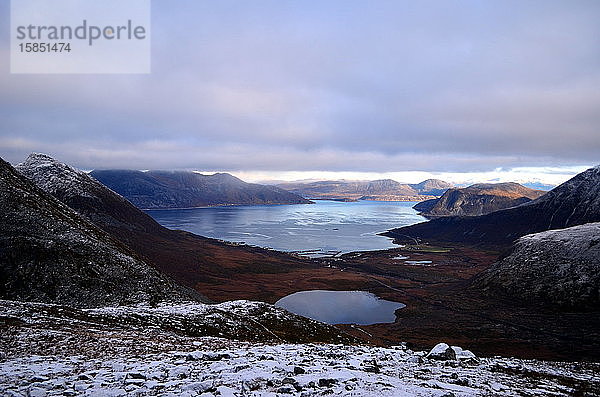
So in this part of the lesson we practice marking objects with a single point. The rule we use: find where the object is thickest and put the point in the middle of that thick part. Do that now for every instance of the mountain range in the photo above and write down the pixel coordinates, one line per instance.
(187, 189)
(572, 203)
(188, 258)
(382, 189)
(477, 199)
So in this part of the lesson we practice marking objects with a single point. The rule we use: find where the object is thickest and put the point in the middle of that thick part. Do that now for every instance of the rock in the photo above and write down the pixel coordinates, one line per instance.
(81, 386)
(327, 382)
(180, 372)
(200, 387)
(215, 356)
(465, 356)
(442, 351)
(299, 370)
(415, 359)
(371, 366)
(286, 390)
(135, 375)
(37, 392)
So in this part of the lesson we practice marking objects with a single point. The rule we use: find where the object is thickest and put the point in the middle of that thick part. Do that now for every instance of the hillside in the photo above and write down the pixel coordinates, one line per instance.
(185, 189)
(56, 351)
(49, 253)
(478, 199)
(192, 260)
(556, 267)
(572, 203)
(383, 189)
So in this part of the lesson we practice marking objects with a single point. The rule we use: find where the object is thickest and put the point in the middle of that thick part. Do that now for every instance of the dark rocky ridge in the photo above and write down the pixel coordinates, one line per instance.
(49, 253)
(184, 189)
(188, 258)
(557, 267)
(478, 199)
(574, 202)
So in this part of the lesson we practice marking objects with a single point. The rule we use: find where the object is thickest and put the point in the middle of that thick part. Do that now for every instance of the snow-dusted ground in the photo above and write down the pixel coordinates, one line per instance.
(211, 367)
(47, 354)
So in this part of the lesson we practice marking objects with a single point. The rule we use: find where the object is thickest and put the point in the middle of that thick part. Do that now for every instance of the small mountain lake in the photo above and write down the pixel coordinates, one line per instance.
(341, 307)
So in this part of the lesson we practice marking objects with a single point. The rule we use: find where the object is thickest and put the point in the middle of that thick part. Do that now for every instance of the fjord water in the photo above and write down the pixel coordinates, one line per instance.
(324, 226)
(341, 307)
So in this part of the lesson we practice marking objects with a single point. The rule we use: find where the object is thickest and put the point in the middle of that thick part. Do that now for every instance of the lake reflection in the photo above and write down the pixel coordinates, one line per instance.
(341, 307)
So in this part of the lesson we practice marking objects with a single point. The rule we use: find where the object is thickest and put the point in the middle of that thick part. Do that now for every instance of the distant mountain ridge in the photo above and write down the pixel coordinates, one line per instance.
(49, 253)
(186, 189)
(478, 199)
(381, 189)
(572, 203)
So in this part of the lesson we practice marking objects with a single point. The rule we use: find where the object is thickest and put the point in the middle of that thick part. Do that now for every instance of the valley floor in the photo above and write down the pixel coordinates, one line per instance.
(433, 281)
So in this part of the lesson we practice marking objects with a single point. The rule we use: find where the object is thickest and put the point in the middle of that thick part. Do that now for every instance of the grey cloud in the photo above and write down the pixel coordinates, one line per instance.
(340, 85)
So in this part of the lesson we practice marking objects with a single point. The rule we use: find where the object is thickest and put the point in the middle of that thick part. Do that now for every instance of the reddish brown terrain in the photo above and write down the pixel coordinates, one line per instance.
(440, 303)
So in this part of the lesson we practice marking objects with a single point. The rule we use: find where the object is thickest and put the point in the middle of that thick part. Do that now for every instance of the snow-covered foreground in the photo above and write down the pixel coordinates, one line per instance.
(212, 367)
(50, 350)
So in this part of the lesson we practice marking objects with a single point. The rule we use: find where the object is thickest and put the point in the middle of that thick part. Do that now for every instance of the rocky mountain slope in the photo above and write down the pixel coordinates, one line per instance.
(183, 189)
(383, 189)
(47, 352)
(49, 253)
(572, 203)
(189, 259)
(478, 199)
(432, 187)
(557, 267)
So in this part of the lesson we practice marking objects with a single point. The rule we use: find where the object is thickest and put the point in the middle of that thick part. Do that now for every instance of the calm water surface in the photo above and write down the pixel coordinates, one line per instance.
(341, 307)
(324, 226)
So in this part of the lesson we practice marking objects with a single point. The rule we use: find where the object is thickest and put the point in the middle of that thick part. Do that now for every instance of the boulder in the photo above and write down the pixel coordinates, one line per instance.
(443, 352)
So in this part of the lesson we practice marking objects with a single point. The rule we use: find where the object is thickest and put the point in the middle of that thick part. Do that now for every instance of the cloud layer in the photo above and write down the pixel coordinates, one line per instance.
(379, 86)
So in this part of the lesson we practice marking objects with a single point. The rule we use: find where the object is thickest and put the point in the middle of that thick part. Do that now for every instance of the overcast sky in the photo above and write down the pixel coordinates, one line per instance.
(308, 89)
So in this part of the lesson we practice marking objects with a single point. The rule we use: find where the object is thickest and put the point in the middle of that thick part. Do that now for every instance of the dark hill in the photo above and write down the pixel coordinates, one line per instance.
(478, 199)
(49, 253)
(575, 202)
(188, 258)
(556, 267)
(185, 189)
